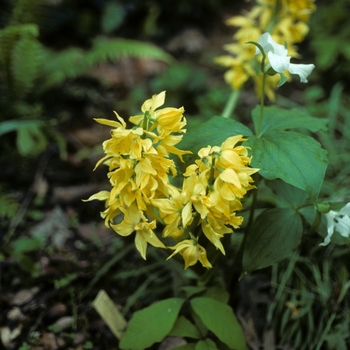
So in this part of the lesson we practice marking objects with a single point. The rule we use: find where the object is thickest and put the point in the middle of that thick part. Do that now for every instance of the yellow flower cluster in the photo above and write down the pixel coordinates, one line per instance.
(208, 201)
(139, 173)
(139, 165)
(285, 20)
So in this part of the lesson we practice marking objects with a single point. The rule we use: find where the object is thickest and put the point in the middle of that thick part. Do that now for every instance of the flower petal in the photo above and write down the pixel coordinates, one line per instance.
(279, 63)
(303, 70)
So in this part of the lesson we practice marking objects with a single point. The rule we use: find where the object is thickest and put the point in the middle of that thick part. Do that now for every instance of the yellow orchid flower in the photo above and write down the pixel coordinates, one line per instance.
(135, 221)
(191, 251)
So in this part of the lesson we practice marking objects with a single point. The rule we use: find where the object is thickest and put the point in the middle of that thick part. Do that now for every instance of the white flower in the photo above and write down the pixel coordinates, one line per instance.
(339, 221)
(278, 59)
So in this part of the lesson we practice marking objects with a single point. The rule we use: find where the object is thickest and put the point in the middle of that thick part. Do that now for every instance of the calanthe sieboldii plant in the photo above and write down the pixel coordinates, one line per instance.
(338, 221)
(279, 60)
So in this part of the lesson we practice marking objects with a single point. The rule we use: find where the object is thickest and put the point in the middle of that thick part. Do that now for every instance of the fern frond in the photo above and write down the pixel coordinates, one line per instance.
(20, 56)
(105, 49)
(74, 62)
(26, 11)
(27, 58)
(8, 205)
(60, 66)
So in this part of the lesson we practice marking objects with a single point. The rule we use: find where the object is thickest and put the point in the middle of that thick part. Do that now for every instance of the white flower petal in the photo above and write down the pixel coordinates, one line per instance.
(345, 210)
(343, 226)
(327, 240)
(279, 63)
(330, 227)
(269, 45)
(263, 41)
(303, 70)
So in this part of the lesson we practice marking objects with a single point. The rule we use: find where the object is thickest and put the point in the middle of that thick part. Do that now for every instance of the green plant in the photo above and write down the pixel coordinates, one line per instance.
(311, 300)
(30, 69)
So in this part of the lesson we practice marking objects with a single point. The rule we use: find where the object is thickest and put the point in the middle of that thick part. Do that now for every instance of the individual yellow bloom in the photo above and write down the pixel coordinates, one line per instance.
(177, 210)
(175, 213)
(191, 251)
(166, 120)
(134, 221)
(214, 232)
(170, 120)
(153, 103)
(168, 145)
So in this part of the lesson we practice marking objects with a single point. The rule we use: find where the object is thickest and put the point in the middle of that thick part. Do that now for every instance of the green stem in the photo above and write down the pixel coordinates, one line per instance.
(262, 99)
(237, 263)
(231, 103)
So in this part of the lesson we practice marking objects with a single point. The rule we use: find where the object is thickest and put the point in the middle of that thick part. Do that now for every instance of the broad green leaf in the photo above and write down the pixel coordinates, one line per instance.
(293, 157)
(184, 328)
(151, 325)
(211, 132)
(288, 196)
(113, 16)
(206, 344)
(218, 293)
(26, 244)
(274, 236)
(219, 318)
(30, 140)
(275, 118)
(12, 125)
(192, 290)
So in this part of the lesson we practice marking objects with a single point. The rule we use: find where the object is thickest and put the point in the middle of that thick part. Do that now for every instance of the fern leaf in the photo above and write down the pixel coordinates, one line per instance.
(60, 66)
(27, 59)
(105, 49)
(9, 36)
(8, 205)
(27, 11)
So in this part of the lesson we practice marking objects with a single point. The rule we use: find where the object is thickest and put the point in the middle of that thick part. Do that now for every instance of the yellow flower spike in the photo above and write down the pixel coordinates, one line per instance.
(286, 20)
(191, 252)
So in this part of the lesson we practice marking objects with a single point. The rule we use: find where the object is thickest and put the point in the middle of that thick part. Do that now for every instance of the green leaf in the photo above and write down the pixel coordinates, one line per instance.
(27, 58)
(219, 318)
(206, 344)
(211, 132)
(276, 233)
(105, 49)
(192, 290)
(283, 80)
(30, 140)
(113, 16)
(184, 328)
(12, 125)
(287, 196)
(151, 324)
(26, 244)
(275, 118)
(293, 157)
(218, 293)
